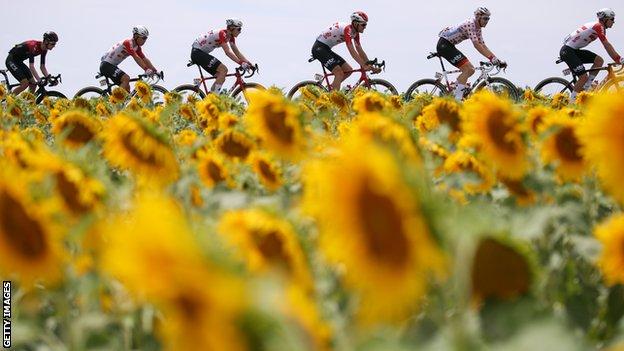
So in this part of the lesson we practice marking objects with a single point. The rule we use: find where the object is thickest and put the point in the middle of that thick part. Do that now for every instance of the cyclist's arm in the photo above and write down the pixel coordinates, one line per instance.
(149, 63)
(360, 51)
(238, 54)
(229, 53)
(33, 70)
(611, 51)
(44, 70)
(484, 50)
(356, 54)
(142, 62)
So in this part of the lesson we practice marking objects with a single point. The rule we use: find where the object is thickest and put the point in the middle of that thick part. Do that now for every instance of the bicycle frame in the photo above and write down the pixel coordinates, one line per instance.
(40, 90)
(6, 80)
(237, 73)
(110, 84)
(363, 77)
(485, 69)
(611, 73)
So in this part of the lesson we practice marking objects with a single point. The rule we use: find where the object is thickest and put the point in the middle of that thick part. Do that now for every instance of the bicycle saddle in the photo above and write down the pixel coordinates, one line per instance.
(311, 59)
(559, 60)
(432, 55)
(190, 63)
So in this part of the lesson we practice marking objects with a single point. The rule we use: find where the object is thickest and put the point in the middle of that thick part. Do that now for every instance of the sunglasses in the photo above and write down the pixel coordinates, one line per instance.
(485, 18)
(363, 24)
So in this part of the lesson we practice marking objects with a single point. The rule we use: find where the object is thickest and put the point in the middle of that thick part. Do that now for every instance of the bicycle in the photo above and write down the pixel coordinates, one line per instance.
(322, 80)
(41, 92)
(95, 92)
(199, 88)
(553, 85)
(486, 79)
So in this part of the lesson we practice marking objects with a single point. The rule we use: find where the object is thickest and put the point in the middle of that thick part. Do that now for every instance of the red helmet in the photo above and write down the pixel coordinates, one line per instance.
(359, 16)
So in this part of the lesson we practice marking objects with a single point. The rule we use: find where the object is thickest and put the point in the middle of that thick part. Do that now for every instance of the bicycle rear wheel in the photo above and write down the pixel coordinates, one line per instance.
(425, 86)
(551, 86)
(90, 93)
(247, 87)
(190, 91)
(51, 95)
(500, 86)
(382, 86)
(306, 89)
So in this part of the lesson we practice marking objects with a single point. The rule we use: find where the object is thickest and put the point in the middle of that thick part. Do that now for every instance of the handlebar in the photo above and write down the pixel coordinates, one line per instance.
(253, 70)
(160, 75)
(50, 80)
(488, 67)
(375, 63)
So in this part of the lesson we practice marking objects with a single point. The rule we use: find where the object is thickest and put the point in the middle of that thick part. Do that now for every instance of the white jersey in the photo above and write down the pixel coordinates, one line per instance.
(469, 29)
(587, 33)
(212, 40)
(339, 33)
(121, 51)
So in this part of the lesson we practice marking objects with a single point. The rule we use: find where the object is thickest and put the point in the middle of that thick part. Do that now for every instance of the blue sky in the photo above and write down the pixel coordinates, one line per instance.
(278, 35)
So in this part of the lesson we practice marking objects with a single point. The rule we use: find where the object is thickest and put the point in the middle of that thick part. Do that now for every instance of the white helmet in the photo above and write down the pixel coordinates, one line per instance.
(234, 22)
(141, 31)
(359, 16)
(605, 13)
(482, 11)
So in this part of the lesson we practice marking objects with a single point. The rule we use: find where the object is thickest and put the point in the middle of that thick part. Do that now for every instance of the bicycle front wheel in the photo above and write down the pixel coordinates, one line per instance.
(500, 86)
(554, 85)
(190, 91)
(382, 86)
(615, 85)
(51, 95)
(425, 86)
(158, 94)
(246, 88)
(307, 89)
(89, 93)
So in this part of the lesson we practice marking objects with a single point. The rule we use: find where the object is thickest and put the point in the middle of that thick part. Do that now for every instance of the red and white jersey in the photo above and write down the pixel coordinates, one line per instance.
(587, 33)
(212, 40)
(339, 33)
(121, 51)
(469, 29)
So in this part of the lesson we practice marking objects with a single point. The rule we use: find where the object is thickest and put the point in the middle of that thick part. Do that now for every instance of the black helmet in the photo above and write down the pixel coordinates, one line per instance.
(50, 37)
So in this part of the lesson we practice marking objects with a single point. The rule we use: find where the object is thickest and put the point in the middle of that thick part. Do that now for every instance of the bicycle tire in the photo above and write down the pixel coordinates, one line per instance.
(189, 89)
(158, 99)
(303, 84)
(510, 88)
(435, 88)
(384, 83)
(50, 93)
(87, 90)
(553, 84)
(246, 86)
(614, 85)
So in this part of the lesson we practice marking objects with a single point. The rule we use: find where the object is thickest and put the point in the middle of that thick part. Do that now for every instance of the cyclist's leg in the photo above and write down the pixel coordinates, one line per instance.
(213, 66)
(575, 63)
(115, 74)
(332, 61)
(340, 74)
(587, 56)
(21, 73)
(455, 57)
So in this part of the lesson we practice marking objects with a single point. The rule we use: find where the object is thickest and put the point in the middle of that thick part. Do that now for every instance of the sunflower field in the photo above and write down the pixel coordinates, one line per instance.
(338, 221)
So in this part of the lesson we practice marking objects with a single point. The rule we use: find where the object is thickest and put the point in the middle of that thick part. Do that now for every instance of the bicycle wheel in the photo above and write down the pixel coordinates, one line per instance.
(158, 94)
(425, 86)
(500, 86)
(551, 86)
(306, 89)
(90, 93)
(50, 94)
(190, 91)
(246, 88)
(614, 85)
(382, 86)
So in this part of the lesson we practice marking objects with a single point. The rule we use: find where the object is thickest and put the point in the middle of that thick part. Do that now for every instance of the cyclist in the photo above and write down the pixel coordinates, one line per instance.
(469, 29)
(224, 38)
(28, 50)
(574, 57)
(338, 33)
(120, 51)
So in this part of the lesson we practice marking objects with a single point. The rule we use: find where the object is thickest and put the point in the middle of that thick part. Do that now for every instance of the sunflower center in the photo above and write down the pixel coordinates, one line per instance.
(70, 193)
(499, 271)
(128, 141)
(372, 105)
(568, 145)
(234, 148)
(271, 246)
(24, 234)
(499, 131)
(276, 122)
(189, 306)
(266, 171)
(215, 172)
(449, 116)
(80, 133)
(383, 227)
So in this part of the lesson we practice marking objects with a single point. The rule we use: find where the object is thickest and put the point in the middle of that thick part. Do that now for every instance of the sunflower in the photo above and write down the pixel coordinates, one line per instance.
(462, 161)
(611, 262)
(369, 101)
(13, 107)
(227, 120)
(276, 123)
(144, 91)
(132, 144)
(435, 149)
(339, 100)
(134, 105)
(208, 108)
(186, 137)
(584, 97)
(562, 147)
(374, 227)
(118, 95)
(212, 170)
(535, 118)
(3, 92)
(516, 187)
(82, 128)
(266, 242)
(81, 103)
(602, 137)
(494, 125)
(102, 109)
(172, 97)
(528, 95)
(499, 271)
(235, 145)
(267, 171)
(29, 248)
(187, 111)
(79, 192)
(304, 312)
(559, 101)
(445, 111)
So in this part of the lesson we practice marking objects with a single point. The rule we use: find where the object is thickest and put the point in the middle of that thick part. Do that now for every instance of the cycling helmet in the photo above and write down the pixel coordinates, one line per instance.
(50, 37)
(233, 22)
(482, 12)
(140, 31)
(605, 13)
(359, 16)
